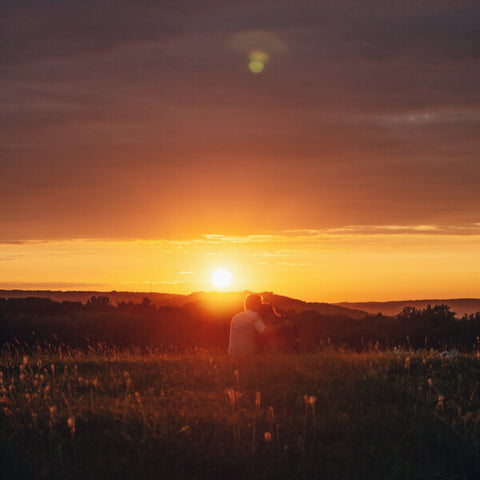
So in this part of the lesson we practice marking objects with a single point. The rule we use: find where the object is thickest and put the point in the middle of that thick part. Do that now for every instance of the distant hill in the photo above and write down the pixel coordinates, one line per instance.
(234, 301)
(168, 299)
(460, 306)
(213, 300)
(278, 301)
(287, 303)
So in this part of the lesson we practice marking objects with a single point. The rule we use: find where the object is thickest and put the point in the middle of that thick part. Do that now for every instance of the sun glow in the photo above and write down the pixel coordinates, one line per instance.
(221, 278)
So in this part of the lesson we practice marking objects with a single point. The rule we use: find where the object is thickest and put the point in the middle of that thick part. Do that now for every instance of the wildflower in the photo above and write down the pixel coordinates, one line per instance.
(312, 400)
(25, 360)
(231, 395)
(258, 399)
(270, 413)
(306, 399)
(430, 382)
(138, 397)
(128, 380)
(71, 424)
(467, 417)
(95, 383)
(53, 415)
(441, 399)
(407, 363)
(184, 429)
(267, 436)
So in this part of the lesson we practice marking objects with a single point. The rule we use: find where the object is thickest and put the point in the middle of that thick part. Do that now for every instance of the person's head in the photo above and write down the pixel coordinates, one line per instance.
(269, 314)
(268, 308)
(253, 302)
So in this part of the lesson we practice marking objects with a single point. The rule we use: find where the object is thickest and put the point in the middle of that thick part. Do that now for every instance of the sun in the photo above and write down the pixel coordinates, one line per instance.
(221, 278)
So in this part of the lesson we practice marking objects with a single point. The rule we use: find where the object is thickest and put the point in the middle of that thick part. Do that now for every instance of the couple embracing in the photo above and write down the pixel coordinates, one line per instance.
(257, 327)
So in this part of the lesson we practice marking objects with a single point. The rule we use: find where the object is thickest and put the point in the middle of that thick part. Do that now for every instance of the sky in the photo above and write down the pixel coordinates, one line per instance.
(327, 150)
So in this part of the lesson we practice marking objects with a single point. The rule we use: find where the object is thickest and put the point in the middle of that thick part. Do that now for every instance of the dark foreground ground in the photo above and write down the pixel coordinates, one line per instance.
(332, 415)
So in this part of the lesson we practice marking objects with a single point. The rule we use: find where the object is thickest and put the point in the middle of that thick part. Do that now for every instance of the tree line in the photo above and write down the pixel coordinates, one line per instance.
(40, 321)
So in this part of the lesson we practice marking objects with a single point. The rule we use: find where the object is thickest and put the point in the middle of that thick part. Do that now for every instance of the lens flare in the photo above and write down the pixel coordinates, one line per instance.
(255, 66)
(258, 58)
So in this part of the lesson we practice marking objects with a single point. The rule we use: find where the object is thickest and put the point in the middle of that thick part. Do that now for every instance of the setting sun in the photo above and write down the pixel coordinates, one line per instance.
(221, 278)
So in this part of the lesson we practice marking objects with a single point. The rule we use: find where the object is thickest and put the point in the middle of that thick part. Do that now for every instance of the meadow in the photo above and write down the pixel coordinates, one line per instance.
(106, 413)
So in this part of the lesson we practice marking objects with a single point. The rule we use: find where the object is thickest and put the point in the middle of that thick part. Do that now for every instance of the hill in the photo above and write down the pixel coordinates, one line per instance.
(231, 301)
(287, 304)
(165, 299)
(234, 301)
(460, 306)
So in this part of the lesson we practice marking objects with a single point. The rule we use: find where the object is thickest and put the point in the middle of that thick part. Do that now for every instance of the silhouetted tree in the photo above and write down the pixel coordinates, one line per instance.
(100, 300)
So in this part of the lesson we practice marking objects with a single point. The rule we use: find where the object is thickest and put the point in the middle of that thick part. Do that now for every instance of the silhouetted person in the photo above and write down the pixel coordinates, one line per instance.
(246, 325)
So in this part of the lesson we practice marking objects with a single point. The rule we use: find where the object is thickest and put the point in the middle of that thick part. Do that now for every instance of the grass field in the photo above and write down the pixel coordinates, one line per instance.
(333, 415)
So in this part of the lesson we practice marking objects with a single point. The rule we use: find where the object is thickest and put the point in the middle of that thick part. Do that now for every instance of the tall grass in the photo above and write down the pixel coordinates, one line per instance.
(130, 414)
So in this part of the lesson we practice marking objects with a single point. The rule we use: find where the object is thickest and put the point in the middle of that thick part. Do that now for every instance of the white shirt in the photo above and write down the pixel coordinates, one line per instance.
(243, 327)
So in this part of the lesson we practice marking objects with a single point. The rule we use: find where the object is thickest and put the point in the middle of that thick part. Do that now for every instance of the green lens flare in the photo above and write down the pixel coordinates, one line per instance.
(256, 66)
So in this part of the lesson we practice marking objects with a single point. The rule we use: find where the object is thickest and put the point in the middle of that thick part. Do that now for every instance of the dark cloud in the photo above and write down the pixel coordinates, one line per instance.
(112, 112)
(44, 29)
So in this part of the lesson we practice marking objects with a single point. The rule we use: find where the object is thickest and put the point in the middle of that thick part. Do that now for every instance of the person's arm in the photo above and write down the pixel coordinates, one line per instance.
(277, 327)
(273, 328)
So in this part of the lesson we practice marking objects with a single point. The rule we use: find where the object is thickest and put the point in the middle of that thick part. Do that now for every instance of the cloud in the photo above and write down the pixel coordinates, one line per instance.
(33, 29)
(282, 237)
(141, 118)
(51, 285)
(165, 282)
(10, 258)
(278, 253)
(472, 229)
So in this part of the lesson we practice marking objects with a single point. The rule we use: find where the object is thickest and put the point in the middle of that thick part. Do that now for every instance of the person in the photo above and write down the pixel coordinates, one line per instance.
(246, 325)
(282, 340)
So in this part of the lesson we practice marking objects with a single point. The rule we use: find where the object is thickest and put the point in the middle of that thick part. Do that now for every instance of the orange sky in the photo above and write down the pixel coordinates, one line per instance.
(323, 266)
(346, 168)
